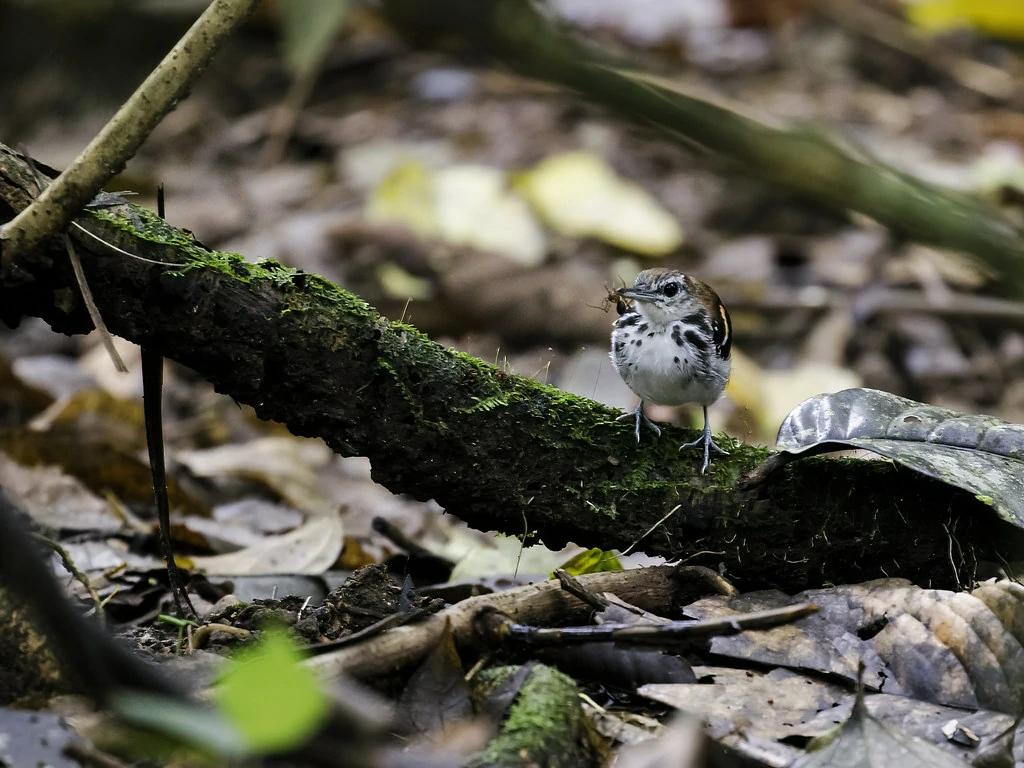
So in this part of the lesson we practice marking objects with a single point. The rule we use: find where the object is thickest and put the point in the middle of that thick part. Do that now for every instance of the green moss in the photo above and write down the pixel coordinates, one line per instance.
(486, 404)
(543, 726)
(640, 474)
(280, 275)
(583, 431)
(399, 381)
(141, 223)
(302, 291)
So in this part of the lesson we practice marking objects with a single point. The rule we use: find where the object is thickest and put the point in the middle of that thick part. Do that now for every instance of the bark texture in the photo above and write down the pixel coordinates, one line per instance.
(497, 450)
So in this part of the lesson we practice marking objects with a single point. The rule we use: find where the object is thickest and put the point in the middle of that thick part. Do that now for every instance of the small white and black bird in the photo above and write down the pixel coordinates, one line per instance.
(672, 344)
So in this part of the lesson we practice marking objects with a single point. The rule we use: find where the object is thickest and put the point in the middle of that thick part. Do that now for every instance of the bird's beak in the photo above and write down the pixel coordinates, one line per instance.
(637, 294)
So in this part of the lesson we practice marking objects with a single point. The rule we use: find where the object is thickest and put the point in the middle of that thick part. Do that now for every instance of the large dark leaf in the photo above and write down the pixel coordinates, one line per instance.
(980, 454)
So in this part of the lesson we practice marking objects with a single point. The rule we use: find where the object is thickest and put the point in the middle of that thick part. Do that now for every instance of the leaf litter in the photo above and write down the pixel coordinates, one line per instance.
(962, 651)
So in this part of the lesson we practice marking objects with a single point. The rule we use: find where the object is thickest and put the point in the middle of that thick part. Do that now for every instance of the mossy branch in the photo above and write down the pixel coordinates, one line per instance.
(513, 33)
(498, 450)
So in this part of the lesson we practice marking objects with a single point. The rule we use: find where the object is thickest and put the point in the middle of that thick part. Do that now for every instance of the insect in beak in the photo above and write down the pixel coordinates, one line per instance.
(636, 294)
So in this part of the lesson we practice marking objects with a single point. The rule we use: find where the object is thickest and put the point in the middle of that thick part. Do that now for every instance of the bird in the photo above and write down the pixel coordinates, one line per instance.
(672, 345)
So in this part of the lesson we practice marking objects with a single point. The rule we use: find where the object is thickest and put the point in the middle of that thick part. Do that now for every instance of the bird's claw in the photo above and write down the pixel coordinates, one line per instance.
(640, 418)
(705, 440)
(707, 443)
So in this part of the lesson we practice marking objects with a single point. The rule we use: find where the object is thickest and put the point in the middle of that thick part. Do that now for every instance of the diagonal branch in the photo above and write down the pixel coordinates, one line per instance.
(121, 137)
(514, 33)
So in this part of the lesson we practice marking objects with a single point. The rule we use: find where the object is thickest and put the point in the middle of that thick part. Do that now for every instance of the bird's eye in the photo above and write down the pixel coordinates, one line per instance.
(671, 289)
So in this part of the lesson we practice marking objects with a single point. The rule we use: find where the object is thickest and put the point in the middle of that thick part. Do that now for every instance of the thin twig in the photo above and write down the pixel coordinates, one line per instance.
(152, 406)
(90, 305)
(665, 634)
(573, 586)
(390, 621)
(70, 567)
(121, 251)
(83, 284)
(648, 532)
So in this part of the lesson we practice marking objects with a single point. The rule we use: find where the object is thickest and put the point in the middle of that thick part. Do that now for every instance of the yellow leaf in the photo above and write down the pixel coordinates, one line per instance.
(784, 390)
(399, 284)
(475, 208)
(464, 205)
(935, 15)
(769, 395)
(746, 390)
(1000, 18)
(405, 197)
(579, 195)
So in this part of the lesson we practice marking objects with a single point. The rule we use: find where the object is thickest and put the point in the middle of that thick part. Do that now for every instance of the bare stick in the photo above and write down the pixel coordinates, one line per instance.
(152, 406)
(90, 305)
(545, 602)
(83, 286)
(120, 138)
(499, 628)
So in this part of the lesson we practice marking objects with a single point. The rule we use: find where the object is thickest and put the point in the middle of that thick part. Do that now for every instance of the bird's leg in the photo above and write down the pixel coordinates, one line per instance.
(705, 441)
(641, 418)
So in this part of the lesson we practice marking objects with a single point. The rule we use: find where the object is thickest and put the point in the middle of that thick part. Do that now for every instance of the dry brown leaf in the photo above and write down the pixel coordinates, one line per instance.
(312, 548)
(950, 648)
(764, 714)
(285, 465)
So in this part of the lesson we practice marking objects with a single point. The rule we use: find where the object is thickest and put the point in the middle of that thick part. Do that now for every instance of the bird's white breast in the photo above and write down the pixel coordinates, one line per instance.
(660, 369)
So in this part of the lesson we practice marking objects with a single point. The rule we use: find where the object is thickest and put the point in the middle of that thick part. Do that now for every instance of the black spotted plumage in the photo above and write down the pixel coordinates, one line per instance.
(687, 357)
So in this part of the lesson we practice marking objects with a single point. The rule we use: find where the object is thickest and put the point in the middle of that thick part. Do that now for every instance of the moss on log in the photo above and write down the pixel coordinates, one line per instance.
(544, 725)
(499, 451)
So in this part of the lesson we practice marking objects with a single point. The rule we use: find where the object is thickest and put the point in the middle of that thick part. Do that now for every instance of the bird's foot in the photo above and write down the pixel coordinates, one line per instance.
(640, 418)
(708, 444)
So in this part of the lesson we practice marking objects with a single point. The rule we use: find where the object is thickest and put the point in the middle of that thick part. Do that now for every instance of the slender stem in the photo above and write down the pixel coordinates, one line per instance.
(152, 400)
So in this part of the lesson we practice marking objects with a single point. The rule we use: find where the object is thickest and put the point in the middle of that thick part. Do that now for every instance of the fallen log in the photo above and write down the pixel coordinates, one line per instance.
(498, 450)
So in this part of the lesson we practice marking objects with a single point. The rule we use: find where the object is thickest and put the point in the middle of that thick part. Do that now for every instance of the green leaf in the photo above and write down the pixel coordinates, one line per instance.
(272, 699)
(182, 721)
(980, 454)
(464, 205)
(592, 561)
(307, 29)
